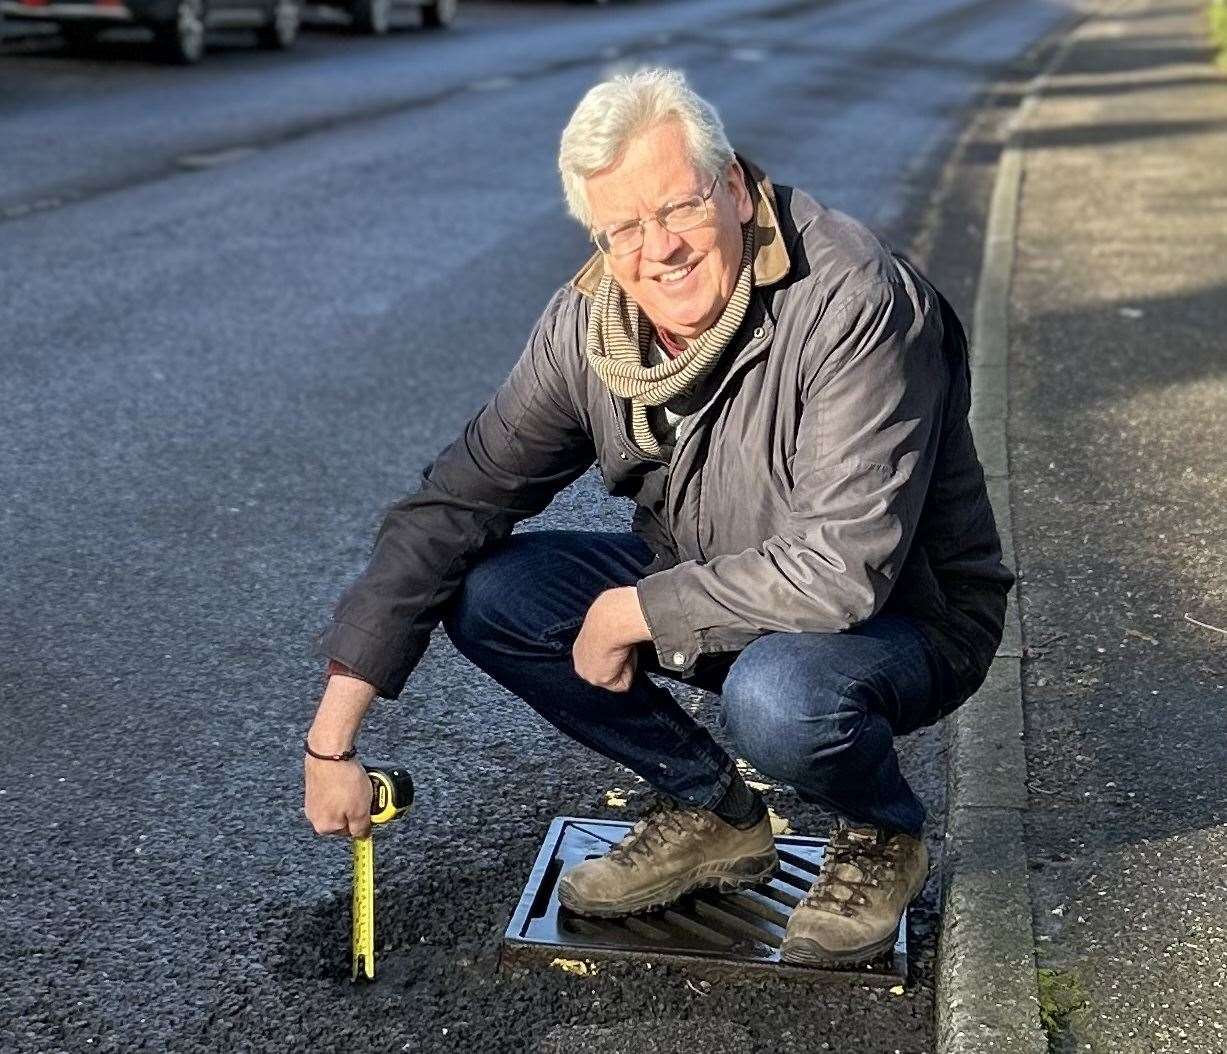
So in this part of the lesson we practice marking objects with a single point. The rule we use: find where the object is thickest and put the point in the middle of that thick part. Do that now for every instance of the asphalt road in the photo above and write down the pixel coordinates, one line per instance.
(244, 304)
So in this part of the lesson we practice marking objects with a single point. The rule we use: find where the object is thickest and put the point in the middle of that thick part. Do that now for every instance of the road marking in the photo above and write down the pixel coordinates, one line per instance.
(197, 162)
(28, 208)
(493, 84)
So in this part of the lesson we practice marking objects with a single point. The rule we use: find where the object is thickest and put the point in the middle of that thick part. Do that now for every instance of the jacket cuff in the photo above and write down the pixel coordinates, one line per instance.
(677, 644)
(386, 664)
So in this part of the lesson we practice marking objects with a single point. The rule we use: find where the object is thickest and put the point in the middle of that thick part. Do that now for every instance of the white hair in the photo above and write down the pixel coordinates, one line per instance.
(613, 112)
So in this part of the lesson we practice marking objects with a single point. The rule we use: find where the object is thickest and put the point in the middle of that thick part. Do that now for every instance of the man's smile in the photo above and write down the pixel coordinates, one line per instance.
(678, 275)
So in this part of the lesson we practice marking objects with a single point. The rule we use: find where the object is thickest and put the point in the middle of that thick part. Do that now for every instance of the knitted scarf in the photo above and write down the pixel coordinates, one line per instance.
(618, 341)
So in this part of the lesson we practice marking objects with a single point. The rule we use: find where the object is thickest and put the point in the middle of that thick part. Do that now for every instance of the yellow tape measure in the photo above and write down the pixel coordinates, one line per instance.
(391, 794)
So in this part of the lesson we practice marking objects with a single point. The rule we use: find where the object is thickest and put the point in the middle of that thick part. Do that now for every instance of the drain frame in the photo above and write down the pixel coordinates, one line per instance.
(733, 935)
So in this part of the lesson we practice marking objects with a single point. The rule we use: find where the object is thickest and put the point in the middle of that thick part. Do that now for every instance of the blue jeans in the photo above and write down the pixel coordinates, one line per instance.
(818, 711)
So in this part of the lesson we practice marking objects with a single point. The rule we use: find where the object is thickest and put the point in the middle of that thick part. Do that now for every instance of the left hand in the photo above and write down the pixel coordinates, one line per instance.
(605, 651)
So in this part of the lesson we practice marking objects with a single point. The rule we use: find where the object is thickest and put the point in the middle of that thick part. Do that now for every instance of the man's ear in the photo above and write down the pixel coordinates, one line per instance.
(741, 193)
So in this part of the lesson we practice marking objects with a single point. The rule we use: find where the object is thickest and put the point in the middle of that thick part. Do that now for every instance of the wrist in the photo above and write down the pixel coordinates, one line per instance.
(328, 754)
(632, 627)
(339, 717)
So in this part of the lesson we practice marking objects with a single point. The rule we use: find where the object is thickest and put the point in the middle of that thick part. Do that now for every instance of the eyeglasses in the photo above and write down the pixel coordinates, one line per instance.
(622, 239)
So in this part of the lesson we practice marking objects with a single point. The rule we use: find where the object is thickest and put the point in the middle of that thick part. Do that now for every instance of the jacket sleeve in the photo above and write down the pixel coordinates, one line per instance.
(870, 423)
(524, 446)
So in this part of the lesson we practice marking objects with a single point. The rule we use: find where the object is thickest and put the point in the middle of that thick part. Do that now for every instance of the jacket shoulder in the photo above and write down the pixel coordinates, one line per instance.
(835, 256)
(565, 310)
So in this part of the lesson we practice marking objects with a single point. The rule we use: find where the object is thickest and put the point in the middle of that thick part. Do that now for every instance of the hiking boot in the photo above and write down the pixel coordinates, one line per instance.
(670, 852)
(852, 911)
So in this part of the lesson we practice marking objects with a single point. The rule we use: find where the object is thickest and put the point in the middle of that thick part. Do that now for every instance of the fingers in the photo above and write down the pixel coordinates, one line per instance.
(626, 675)
(337, 798)
(327, 825)
(615, 673)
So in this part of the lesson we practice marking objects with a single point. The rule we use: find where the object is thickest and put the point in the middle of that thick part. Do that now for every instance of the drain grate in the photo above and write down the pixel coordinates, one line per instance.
(715, 935)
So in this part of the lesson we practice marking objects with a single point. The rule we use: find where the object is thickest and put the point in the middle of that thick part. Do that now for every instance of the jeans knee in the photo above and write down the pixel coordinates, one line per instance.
(476, 610)
(789, 731)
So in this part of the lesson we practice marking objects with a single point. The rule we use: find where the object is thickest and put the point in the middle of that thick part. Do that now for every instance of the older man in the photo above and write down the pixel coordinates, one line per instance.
(786, 401)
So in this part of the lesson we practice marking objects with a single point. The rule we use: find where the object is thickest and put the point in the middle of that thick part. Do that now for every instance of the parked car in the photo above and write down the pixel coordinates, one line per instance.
(178, 26)
(375, 16)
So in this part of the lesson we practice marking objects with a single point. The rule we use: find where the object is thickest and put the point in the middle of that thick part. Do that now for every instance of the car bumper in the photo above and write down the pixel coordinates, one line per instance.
(101, 14)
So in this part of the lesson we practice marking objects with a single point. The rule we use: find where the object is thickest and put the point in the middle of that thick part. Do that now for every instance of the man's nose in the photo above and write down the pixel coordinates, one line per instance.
(659, 243)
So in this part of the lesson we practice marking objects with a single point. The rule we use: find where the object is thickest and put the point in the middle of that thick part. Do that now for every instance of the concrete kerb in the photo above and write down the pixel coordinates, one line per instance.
(987, 998)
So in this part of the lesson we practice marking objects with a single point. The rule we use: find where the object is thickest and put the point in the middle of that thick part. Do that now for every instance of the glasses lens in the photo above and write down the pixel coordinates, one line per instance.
(686, 215)
(624, 239)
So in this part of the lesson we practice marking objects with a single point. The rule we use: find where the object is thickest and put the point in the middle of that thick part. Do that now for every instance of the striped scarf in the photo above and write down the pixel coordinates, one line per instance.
(618, 342)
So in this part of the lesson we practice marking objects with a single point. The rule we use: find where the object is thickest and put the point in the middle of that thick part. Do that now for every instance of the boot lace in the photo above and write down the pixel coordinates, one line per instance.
(664, 821)
(856, 860)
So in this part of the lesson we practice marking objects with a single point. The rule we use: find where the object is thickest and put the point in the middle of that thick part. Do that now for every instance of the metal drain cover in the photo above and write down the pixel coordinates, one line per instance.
(716, 935)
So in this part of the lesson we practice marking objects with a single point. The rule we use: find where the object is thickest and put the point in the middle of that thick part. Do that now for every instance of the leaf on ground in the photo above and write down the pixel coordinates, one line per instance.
(779, 824)
(575, 966)
(615, 800)
(897, 990)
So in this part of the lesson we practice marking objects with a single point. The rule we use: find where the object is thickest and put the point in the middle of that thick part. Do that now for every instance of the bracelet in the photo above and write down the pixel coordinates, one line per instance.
(346, 756)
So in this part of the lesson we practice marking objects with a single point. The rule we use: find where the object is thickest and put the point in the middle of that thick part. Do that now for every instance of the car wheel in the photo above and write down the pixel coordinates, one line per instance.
(372, 16)
(438, 14)
(183, 40)
(281, 30)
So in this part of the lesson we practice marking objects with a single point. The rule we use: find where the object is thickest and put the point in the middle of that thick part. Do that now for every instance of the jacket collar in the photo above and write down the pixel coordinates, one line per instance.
(771, 262)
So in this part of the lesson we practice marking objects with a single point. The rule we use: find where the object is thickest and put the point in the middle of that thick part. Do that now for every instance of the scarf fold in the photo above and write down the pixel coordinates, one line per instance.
(619, 338)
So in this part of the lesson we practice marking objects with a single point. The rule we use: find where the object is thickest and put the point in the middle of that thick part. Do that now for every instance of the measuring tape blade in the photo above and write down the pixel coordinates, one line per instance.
(364, 909)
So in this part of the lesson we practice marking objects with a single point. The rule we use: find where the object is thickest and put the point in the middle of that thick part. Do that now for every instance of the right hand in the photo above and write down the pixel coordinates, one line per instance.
(337, 797)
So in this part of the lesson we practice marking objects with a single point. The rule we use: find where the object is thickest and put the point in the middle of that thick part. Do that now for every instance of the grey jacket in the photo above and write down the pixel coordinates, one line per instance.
(829, 476)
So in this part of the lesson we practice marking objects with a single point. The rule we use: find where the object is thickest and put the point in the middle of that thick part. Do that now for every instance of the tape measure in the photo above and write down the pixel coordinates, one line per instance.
(391, 795)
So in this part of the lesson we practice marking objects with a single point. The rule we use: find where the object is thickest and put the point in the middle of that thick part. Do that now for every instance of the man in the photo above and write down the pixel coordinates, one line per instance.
(786, 401)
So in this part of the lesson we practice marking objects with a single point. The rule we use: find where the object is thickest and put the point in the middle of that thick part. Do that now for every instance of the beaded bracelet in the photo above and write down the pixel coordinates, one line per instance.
(346, 756)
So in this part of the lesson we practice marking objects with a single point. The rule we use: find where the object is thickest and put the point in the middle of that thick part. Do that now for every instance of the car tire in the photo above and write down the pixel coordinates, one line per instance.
(439, 14)
(280, 32)
(77, 37)
(372, 17)
(182, 42)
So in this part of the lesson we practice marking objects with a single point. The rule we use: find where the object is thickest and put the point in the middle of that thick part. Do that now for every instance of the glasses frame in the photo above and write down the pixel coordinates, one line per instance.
(660, 216)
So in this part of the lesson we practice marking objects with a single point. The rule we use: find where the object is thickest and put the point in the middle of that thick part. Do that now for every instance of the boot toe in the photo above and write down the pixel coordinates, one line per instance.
(578, 888)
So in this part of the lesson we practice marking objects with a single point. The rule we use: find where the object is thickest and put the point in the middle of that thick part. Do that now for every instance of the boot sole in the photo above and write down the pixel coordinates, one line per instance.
(751, 871)
(802, 951)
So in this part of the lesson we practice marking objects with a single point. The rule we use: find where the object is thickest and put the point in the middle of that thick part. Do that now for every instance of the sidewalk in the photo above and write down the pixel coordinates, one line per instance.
(1117, 436)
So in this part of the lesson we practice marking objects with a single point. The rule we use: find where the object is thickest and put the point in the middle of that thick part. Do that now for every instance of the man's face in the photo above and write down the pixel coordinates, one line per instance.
(682, 281)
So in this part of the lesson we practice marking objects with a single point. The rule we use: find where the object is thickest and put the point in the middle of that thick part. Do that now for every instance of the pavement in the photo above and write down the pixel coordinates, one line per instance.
(1112, 292)
(1118, 423)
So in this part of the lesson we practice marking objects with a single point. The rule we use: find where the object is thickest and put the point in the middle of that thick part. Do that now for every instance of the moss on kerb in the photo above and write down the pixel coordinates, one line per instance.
(1218, 29)
(1060, 993)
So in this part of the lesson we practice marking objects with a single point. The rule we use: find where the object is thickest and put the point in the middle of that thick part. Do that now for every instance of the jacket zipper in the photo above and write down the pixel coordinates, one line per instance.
(628, 444)
(749, 354)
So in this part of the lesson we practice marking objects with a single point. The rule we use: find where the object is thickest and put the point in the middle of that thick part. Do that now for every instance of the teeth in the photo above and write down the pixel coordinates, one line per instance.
(678, 275)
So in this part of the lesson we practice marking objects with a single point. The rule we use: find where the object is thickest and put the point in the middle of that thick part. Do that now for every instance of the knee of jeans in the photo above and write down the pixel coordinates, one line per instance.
(476, 611)
(784, 729)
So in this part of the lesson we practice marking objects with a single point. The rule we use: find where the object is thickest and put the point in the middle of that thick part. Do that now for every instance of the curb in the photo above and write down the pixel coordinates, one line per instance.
(987, 996)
